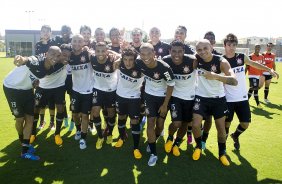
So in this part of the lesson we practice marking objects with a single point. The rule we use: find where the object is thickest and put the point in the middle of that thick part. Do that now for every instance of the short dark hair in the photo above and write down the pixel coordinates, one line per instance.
(209, 33)
(177, 43)
(101, 44)
(84, 27)
(66, 28)
(270, 43)
(183, 28)
(46, 27)
(112, 30)
(137, 30)
(99, 29)
(129, 52)
(230, 38)
(65, 47)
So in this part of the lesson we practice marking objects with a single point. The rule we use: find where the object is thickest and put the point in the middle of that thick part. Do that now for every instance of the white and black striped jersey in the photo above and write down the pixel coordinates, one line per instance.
(22, 77)
(105, 77)
(209, 88)
(157, 79)
(41, 49)
(129, 82)
(82, 73)
(184, 76)
(239, 92)
(56, 77)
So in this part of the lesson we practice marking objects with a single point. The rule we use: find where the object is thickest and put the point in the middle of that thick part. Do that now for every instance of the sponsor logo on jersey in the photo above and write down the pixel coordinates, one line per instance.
(79, 67)
(127, 78)
(182, 77)
(103, 75)
(238, 69)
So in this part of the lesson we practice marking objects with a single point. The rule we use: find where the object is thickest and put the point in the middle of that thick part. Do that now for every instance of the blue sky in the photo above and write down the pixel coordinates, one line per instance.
(241, 17)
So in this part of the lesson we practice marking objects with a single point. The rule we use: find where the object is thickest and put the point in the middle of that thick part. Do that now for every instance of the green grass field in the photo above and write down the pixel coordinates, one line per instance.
(259, 160)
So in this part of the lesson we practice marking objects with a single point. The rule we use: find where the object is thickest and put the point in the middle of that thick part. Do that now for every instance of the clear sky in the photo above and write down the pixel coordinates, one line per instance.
(242, 17)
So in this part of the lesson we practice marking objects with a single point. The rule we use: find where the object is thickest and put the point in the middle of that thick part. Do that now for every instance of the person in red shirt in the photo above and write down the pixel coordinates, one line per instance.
(265, 79)
(254, 74)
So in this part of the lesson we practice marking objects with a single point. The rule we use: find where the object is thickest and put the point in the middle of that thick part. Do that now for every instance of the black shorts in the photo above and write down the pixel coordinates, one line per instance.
(81, 103)
(68, 84)
(181, 110)
(267, 77)
(242, 109)
(49, 97)
(127, 106)
(21, 102)
(254, 82)
(215, 107)
(103, 98)
(152, 105)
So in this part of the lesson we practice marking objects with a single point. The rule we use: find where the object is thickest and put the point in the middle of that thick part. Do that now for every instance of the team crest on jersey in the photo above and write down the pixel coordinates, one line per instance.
(160, 50)
(196, 106)
(15, 112)
(239, 61)
(107, 68)
(134, 73)
(174, 114)
(82, 59)
(213, 68)
(156, 75)
(94, 100)
(186, 69)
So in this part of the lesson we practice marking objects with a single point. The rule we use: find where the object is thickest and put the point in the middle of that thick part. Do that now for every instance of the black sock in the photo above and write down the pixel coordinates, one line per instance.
(121, 128)
(21, 138)
(227, 130)
(97, 123)
(83, 135)
(266, 90)
(25, 145)
(153, 148)
(189, 131)
(135, 130)
(78, 127)
(91, 123)
(34, 126)
(169, 138)
(42, 117)
(52, 118)
(59, 122)
(221, 148)
(65, 113)
(199, 142)
(238, 131)
(256, 96)
(205, 136)
(177, 141)
(111, 124)
(250, 93)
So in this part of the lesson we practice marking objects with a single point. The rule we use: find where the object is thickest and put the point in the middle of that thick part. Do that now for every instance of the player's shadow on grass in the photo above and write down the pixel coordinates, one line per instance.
(273, 106)
(262, 112)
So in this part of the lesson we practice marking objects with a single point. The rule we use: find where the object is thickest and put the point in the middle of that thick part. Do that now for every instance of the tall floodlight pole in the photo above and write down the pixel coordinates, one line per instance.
(29, 12)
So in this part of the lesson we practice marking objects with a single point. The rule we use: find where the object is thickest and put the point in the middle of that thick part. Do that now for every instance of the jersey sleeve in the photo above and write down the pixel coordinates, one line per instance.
(36, 66)
(168, 76)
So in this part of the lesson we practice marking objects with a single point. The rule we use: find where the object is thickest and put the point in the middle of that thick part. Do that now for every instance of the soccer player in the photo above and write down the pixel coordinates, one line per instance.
(158, 89)
(65, 37)
(254, 74)
(181, 34)
(213, 71)
(182, 101)
(161, 48)
(237, 97)
(82, 78)
(265, 79)
(115, 40)
(104, 91)
(85, 31)
(136, 36)
(17, 87)
(128, 100)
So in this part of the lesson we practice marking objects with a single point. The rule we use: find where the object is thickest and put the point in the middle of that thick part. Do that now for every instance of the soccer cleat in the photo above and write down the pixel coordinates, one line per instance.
(223, 159)
(32, 139)
(152, 160)
(92, 129)
(41, 124)
(148, 150)
(66, 122)
(31, 149)
(175, 151)
(52, 125)
(137, 154)
(197, 154)
(168, 146)
(203, 145)
(189, 139)
(71, 126)
(162, 133)
(99, 143)
(236, 141)
(259, 106)
(109, 139)
(119, 143)
(30, 156)
(82, 144)
(266, 101)
(58, 140)
(77, 135)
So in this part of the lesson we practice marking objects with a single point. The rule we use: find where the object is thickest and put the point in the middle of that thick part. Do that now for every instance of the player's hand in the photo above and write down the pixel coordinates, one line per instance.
(163, 110)
(208, 74)
(274, 73)
(19, 60)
